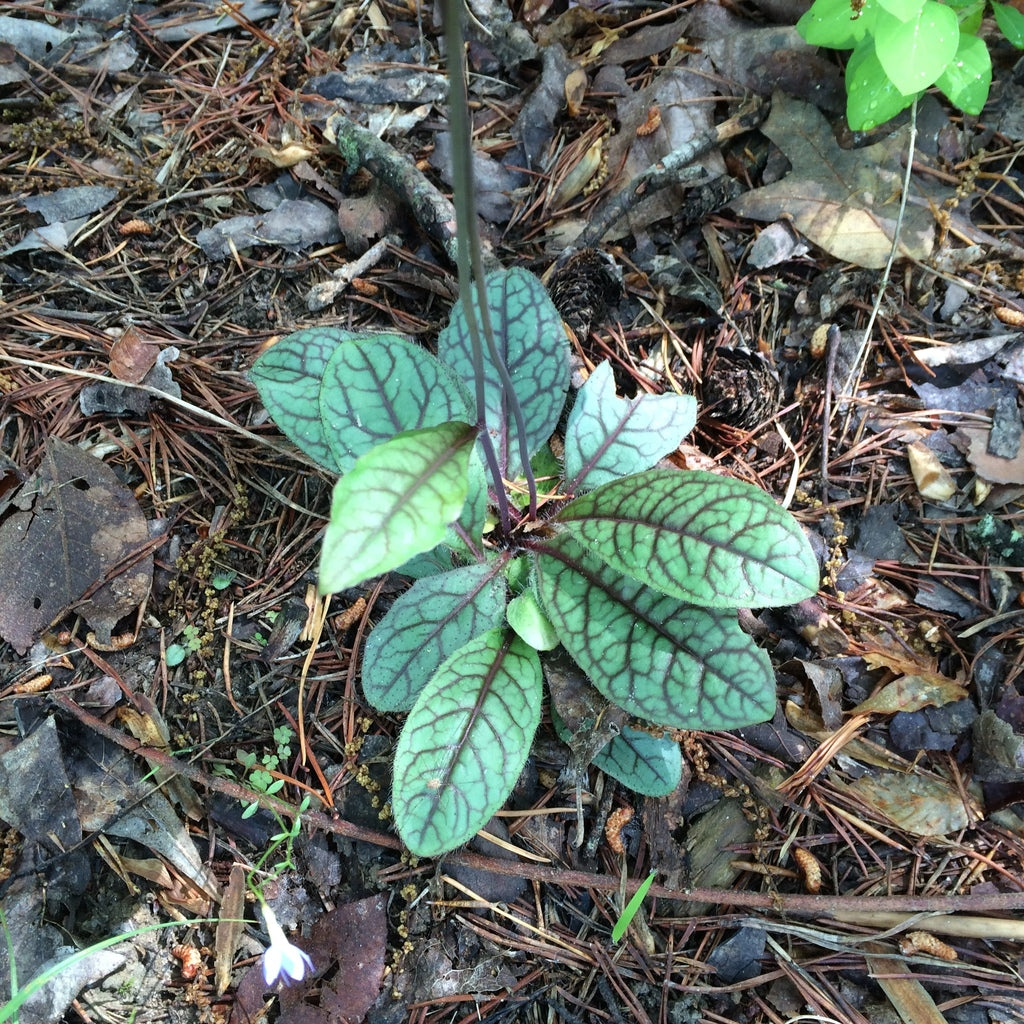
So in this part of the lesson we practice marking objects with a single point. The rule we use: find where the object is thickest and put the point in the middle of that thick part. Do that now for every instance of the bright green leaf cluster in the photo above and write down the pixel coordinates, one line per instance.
(903, 47)
(636, 571)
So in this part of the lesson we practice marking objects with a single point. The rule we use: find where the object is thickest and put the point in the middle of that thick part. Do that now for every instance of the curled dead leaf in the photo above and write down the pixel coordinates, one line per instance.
(286, 156)
(191, 960)
(575, 90)
(652, 124)
(925, 942)
(616, 822)
(933, 480)
(581, 175)
(810, 868)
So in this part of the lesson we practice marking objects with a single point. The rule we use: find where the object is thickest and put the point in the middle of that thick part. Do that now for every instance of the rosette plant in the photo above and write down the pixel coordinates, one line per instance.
(448, 474)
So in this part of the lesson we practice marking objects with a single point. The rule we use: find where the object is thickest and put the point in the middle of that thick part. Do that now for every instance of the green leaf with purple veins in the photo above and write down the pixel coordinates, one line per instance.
(649, 765)
(430, 621)
(608, 437)
(465, 742)
(657, 658)
(533, 346)
(288, 376)
(396, 502)
(378, 385)
(698, 537)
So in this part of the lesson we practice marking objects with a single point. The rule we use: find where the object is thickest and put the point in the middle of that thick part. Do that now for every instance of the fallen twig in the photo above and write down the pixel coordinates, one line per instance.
(673, 169)
(324, 293)
(779, 903)
(361, 148)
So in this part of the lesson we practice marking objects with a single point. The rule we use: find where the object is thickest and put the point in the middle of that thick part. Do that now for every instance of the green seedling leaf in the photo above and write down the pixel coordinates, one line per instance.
(832, 23)
(532, 343)
(648, 765)
(379, 385)
(702, 538)
(527, 618)
(1010, 22)
(288, 376)
(465, 742)
(659, 659)
(915, 52)
(427, 624)
(967, 80)
(396, 502)
(871, 99)
(627, 915)
(608, 437)
(174, 655)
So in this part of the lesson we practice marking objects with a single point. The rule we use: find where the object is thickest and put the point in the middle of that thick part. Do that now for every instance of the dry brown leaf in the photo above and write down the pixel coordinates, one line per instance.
(845, 201)
(75, 522)
(229, 927)
(133, 355)
(919, 804)
(933, 480)
(911, 693)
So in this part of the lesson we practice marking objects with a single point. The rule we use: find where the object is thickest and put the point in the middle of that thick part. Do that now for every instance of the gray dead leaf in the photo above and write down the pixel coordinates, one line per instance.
(117, 399)
(28, 940)
(33, 39)
(677, 93)
(50, 236)
(51, 1001)
(295, 224)
(35, 795)
(114, 798)
(381, 75)
(963, 353)
(767, 57)
(65, 211)
(534, 126)
(69, 203)
(188, 23)
(493, 182)
(776, 244)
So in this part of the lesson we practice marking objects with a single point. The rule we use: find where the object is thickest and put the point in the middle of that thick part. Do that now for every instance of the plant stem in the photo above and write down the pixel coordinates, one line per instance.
(470, 263)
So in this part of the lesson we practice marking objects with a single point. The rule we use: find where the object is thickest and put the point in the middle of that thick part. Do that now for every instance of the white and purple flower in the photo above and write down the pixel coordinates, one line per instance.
(283, 961)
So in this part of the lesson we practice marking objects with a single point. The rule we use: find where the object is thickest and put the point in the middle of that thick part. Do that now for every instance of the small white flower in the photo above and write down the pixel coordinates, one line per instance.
(283, 961)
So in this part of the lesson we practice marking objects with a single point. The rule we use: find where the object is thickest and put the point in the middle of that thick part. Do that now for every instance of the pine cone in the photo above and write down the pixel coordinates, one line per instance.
(583, 287)
(740, 388)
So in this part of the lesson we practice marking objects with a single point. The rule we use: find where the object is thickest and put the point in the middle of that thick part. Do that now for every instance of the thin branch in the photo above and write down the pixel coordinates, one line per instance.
(674, 169)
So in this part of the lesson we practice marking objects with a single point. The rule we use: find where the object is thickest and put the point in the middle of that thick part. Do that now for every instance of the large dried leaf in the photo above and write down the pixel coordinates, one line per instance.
(919, 804)
(845, 201)
(75, 525)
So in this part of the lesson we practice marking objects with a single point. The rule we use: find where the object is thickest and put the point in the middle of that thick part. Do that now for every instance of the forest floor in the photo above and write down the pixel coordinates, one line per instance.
(171, 204)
